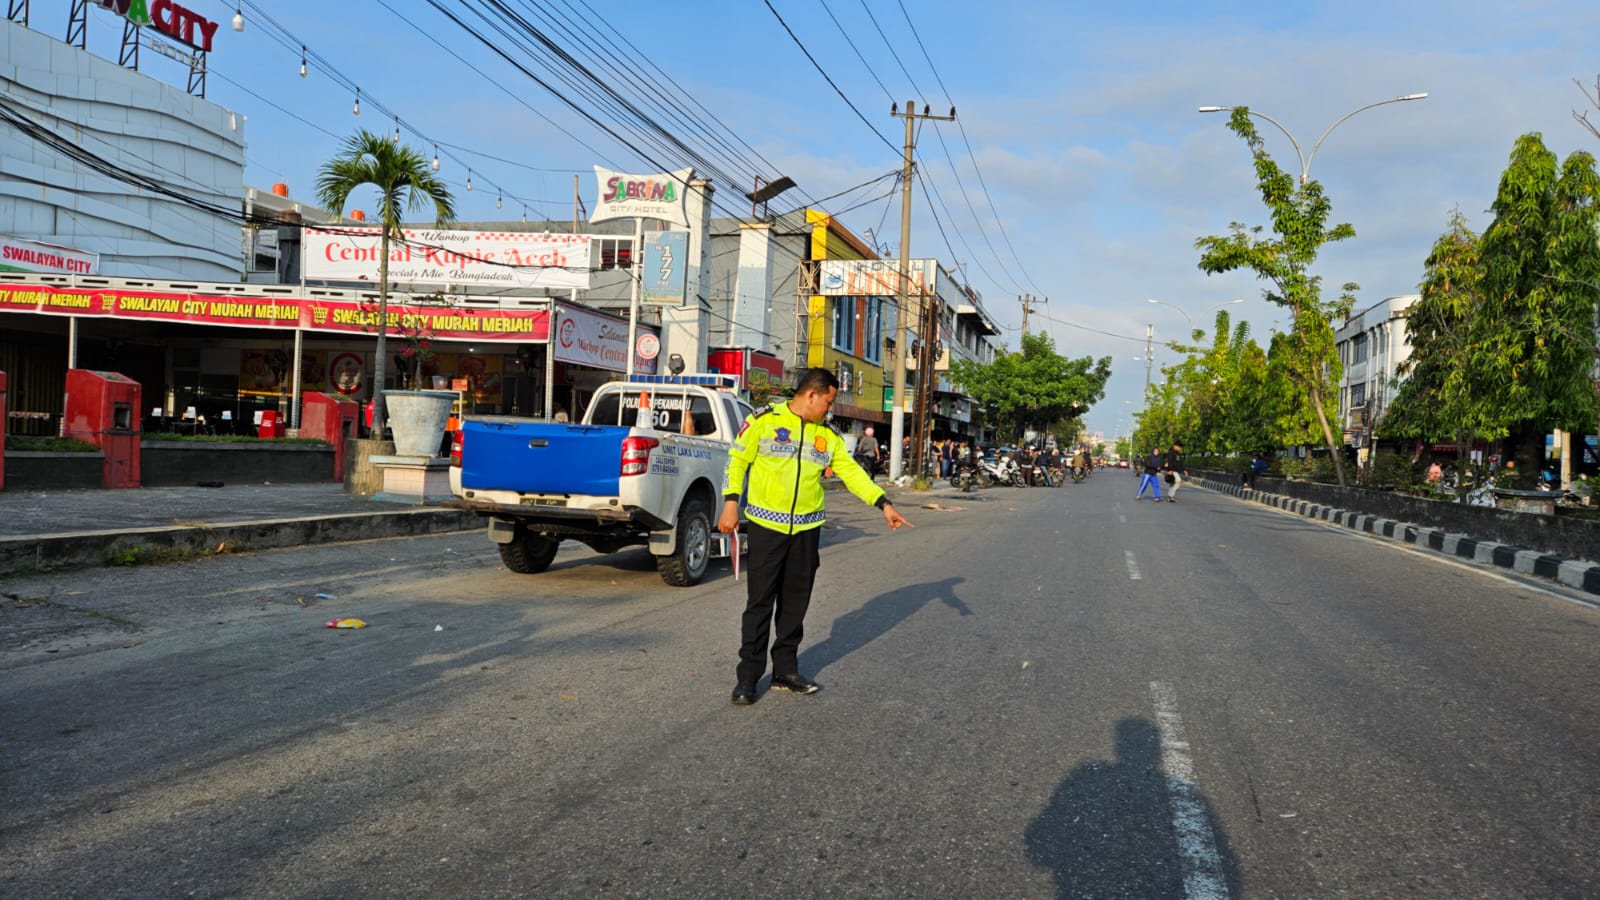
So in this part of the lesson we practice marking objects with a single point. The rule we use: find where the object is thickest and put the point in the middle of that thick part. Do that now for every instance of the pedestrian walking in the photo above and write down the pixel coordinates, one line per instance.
(1177, 471)
(867, 454)
(1258, 466)
(1153, 464)
(784, 450)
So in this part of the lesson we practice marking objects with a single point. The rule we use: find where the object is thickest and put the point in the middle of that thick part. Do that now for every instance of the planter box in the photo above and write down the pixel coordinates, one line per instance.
(172, 463)
(37, 470)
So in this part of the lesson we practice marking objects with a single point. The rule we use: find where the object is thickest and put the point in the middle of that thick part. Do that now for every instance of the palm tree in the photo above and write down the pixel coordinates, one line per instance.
(401, 174)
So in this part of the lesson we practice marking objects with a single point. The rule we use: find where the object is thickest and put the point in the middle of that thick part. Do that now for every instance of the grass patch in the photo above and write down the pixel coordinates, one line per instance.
(225, 438)
(49, 444)
(151, 556)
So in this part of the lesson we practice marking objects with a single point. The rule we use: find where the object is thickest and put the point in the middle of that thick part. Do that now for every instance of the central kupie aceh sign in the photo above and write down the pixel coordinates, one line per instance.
(498, 259)
(332, 316)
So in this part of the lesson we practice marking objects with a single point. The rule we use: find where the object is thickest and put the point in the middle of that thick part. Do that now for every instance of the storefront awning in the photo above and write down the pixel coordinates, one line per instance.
(308, 313)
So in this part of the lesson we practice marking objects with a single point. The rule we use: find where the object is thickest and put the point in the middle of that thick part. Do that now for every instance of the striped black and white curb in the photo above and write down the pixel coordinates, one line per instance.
(1574, 573)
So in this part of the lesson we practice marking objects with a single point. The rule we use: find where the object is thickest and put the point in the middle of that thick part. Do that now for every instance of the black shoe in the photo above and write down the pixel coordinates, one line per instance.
(794, 683)
(744, 693)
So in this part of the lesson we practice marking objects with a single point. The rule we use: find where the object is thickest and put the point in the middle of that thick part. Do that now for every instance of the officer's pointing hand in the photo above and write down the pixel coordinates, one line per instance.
(893, 517)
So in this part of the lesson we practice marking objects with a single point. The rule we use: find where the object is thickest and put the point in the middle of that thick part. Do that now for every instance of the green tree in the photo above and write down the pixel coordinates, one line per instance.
(1299, 214)
(1035, 388)
(1442, 395)
(403, 179)
(1540, 263)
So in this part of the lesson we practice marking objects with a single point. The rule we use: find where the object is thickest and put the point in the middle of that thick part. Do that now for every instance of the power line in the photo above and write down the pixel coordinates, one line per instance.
(909, 80)
(820, 71)
(851, 41)
(968, 141)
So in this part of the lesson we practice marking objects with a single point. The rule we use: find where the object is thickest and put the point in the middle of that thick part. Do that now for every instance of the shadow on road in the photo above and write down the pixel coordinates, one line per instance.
(877, 617)
(1109, 828)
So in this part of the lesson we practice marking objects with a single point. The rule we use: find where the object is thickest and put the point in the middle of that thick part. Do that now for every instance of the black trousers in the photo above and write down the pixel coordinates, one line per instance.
(781, 571)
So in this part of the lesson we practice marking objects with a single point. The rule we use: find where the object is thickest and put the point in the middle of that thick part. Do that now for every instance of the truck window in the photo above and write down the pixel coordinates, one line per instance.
(667, 411)
(700, 421)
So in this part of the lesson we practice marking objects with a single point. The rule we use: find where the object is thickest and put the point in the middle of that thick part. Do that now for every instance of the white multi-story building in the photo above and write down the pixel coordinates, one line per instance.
(1372, 344)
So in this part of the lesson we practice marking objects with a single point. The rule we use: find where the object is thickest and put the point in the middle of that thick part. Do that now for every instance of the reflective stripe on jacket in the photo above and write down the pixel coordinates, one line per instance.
(785, 456)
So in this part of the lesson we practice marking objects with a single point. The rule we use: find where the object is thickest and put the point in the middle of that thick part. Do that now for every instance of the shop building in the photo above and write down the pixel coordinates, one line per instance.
(1372, 346)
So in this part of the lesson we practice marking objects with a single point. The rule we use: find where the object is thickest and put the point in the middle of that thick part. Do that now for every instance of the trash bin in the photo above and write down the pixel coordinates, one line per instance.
(271, 426)
(100, 409)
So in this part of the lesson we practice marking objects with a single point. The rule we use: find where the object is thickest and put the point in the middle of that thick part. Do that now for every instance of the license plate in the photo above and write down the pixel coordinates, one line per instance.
(544, 501)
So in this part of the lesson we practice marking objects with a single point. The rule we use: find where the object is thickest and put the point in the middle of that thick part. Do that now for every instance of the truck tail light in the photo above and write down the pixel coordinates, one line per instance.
(456, 442)
(636, 454)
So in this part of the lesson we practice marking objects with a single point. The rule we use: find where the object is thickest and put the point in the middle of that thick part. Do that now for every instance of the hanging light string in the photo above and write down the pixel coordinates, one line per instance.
(311, 59)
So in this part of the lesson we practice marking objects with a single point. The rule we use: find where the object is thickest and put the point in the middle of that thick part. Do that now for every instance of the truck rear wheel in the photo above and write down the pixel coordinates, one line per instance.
(528, 553)
(687, 564)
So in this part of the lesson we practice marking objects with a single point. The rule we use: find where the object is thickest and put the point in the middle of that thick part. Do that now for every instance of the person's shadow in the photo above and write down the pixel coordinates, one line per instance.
(1123, 829)
(875, 618)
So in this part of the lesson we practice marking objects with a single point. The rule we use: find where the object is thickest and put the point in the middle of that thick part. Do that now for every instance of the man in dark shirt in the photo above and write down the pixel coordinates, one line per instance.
(1176, 471)
(1025, 459)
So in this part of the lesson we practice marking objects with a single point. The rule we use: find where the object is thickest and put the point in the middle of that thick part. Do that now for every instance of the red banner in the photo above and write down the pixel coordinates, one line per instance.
(338, 317)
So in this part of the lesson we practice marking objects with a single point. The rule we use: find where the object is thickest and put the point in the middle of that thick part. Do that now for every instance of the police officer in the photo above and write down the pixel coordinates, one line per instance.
(784, 450)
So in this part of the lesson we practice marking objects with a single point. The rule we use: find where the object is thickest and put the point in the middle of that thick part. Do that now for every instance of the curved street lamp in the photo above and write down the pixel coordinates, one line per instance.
(1186, 312)
(1305, 160)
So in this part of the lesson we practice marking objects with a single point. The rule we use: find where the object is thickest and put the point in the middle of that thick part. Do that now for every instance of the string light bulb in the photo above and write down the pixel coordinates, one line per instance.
(524, 215)
(469, 179)
(302, 60)
(397, 129)
(435, 162)
(356, 110)
(238, 19)
(497, 198)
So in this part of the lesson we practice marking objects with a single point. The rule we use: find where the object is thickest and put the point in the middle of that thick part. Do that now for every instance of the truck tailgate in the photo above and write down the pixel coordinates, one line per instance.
(542, 458)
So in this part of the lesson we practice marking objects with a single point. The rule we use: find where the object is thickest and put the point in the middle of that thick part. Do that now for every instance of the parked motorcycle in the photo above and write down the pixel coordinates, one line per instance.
(1010, 471)
(964, 479)
(1003, 470)
(873, 467)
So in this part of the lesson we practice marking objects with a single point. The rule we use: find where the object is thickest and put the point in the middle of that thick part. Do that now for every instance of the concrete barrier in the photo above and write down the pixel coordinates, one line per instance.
(58, 552)
(1448, 528)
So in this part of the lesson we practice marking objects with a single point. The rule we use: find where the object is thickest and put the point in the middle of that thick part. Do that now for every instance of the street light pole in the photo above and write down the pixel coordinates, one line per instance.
(1305, 159)
(1186, 313)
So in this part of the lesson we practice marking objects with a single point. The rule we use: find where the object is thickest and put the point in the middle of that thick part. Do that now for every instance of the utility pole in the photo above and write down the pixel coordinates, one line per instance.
(1149, 351)
(1028, 305)
(897, 420)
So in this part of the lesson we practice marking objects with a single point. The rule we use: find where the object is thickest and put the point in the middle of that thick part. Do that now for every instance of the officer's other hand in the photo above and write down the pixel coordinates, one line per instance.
(728, 522)
(894, 519)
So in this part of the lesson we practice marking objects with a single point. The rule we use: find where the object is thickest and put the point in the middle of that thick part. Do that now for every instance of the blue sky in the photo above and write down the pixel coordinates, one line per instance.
(1081, 117)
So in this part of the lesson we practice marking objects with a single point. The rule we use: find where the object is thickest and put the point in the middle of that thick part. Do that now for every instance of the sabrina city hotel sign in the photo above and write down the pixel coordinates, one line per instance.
(624, 196)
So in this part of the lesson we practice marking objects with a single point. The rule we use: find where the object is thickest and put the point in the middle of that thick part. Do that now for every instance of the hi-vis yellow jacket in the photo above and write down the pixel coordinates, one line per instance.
(785, 457)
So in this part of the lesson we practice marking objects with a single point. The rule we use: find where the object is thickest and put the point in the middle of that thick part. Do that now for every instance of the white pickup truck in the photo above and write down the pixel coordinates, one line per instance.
(609, 481)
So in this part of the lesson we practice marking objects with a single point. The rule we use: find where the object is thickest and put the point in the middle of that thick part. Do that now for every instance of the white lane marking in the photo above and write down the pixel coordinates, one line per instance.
(1133, 566)
(1197, 845)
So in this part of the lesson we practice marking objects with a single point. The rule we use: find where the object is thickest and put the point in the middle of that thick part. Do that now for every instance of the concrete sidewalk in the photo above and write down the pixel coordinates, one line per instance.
(55, 530)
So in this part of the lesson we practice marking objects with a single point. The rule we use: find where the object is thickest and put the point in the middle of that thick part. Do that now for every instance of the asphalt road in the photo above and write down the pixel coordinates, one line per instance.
(1043, 693)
